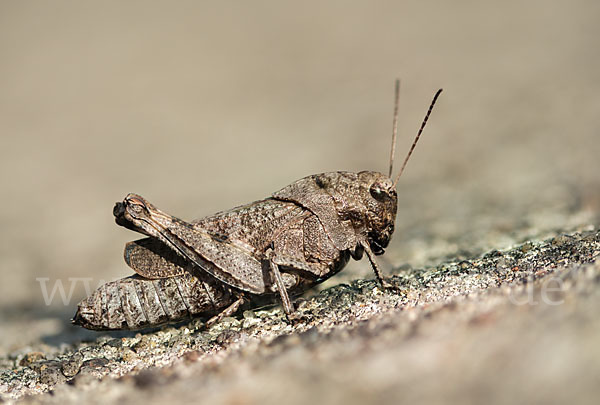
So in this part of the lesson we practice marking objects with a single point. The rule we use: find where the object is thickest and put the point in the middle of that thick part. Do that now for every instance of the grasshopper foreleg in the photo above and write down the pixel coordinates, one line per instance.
(384, 283)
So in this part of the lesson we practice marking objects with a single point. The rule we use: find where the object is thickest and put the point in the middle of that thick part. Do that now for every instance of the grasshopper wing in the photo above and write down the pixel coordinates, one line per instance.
(152, 259)
(229, 245)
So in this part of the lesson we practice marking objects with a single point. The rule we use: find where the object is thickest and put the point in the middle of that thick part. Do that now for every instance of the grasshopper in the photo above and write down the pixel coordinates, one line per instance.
(280, 247)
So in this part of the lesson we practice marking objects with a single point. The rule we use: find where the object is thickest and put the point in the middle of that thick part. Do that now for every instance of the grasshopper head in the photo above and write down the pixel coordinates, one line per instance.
(367, 199)
(380, 200)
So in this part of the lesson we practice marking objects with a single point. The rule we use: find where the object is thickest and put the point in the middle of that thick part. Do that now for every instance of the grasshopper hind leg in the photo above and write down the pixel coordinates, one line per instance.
(230, 310)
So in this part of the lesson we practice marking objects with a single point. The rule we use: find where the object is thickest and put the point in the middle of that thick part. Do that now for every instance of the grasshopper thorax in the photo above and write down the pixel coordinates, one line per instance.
(354, 208)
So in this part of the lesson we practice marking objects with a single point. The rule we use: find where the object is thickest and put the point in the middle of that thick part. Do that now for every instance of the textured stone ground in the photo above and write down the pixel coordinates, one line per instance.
(518, 318)
(202, 106)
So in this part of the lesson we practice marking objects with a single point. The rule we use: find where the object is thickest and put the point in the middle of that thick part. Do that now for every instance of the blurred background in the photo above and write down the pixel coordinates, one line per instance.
(202, 106)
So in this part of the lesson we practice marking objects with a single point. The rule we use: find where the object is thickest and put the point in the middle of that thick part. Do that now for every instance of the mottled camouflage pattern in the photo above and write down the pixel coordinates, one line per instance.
(302, 235)
(135, 302)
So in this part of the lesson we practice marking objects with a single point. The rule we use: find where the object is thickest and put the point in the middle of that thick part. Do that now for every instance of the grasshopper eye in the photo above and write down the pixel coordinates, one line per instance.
(377, 193)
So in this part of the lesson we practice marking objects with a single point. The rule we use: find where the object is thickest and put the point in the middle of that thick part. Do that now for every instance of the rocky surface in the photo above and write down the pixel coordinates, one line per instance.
(517, 319)
(202, 106)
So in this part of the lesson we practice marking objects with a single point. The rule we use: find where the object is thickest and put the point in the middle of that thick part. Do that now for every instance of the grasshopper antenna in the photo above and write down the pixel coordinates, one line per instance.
(395, 131)
(412, 148)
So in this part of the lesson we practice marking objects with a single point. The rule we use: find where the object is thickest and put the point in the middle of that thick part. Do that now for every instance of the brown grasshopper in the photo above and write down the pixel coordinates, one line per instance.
(280, 246)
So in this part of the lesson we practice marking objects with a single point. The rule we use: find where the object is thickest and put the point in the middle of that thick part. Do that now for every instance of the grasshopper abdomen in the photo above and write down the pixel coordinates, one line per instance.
(136, 302)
